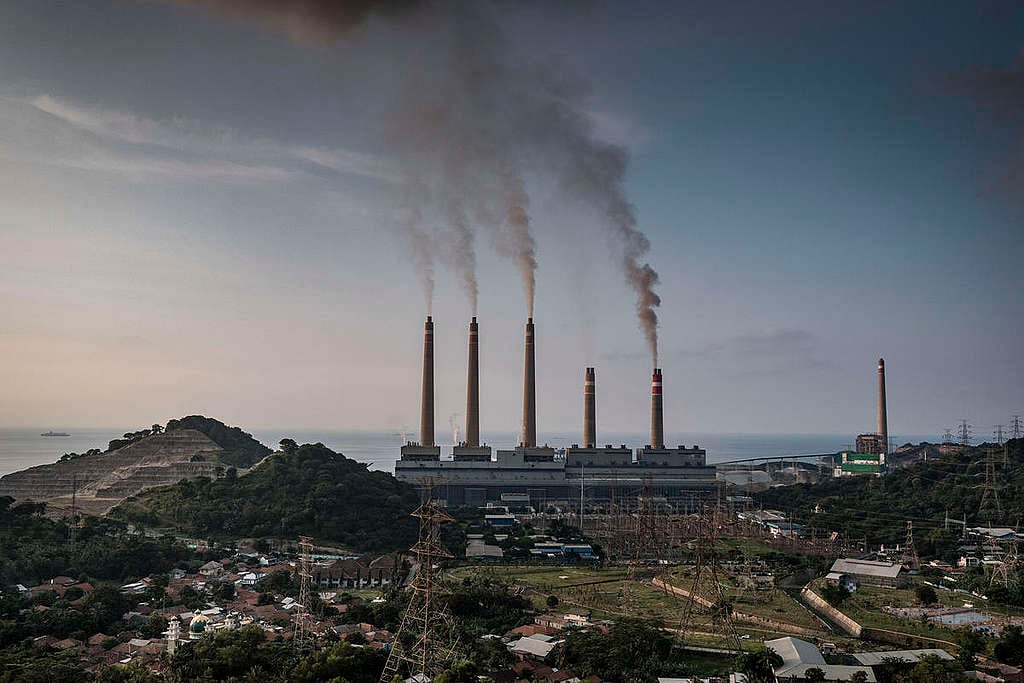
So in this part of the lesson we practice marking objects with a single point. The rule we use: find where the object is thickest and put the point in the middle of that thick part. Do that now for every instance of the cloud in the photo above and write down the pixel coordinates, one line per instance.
(999, 91)
(177, 150)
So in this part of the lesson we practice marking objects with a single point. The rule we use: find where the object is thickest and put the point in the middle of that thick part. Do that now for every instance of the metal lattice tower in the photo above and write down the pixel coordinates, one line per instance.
(990, 491)
(1006, 572)
(707, 569)
(304, 639)
(964, 434)
(997, 434)
(909, 556)
(425, 643)
(947, 436)
(1016, 427)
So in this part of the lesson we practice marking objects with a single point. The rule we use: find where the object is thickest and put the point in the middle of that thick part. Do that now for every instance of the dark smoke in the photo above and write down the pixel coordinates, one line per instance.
(307, 21)
(473, 120)
(999, 91)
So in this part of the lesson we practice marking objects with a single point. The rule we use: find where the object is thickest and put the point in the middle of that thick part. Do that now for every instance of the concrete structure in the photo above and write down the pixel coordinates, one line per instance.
(536, 475)
(906, 656)
(869, 443)
(473, 387)
(529, 437)
(471, 449)
(589, 409)
(883, 420)
(852, 464)
(798, 656)
(657, 412)
(869, 572)
(425, 449)
(427, 397)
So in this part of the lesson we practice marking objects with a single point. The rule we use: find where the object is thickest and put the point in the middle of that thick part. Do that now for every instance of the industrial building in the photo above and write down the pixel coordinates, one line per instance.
(540, 474)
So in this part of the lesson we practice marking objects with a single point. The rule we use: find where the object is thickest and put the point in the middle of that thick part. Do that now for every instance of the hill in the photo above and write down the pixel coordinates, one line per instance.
(307, 490)
(878, 508)
(191, 447)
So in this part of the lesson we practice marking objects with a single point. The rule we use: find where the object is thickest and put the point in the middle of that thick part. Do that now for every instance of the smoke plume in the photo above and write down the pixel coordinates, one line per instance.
(474, 119)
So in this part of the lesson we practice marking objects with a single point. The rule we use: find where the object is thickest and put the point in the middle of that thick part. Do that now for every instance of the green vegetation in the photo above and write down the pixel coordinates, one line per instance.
(631, 650)
(240, 449)
(310, 491)
(879, 507)
(36, 548)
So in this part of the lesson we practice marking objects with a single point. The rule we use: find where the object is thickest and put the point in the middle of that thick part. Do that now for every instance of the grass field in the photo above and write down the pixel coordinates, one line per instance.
(609, 594)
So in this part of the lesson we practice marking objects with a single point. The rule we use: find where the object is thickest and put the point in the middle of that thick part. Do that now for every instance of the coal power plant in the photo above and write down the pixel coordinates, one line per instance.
(542, 476)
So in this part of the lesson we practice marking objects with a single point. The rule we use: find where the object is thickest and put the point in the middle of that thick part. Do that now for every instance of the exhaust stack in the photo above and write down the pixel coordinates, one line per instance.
(657, 413)
(473, 387)
(883, 421)
(589, 410)
(427, 399)
(529, 391)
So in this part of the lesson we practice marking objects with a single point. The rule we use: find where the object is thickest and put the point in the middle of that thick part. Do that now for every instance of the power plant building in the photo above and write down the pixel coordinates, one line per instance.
(541, 474)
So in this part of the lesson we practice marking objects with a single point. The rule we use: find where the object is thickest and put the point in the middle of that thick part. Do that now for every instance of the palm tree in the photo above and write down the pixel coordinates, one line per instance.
(759, 667)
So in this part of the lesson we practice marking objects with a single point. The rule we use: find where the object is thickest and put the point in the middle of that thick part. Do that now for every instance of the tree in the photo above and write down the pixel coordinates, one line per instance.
(971, 643)
(759, 667)
(926, 594)
(126, 674)
(1010, 647)
(289, 446)
(835, 594)
(814, 674)
(858, 677)
(929, 669)
(552, 601)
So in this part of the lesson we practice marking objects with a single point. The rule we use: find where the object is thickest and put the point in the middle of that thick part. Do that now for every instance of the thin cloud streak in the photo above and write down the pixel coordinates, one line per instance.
(140, 148)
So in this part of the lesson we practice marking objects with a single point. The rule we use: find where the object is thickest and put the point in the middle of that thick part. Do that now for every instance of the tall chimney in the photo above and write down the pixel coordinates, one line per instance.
(589, 410)
(427, 400)
(657, 413)
(473, 387)
(883, 421)
(529, 391)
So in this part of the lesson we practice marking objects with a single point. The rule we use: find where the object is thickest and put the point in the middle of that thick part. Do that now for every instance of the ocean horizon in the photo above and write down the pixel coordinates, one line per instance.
(21, 448)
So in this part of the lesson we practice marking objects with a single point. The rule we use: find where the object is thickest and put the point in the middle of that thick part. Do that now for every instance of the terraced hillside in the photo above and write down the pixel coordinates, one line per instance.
(102, 480)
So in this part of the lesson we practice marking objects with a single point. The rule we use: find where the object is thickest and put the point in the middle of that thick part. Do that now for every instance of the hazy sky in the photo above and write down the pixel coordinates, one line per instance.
(204, 213)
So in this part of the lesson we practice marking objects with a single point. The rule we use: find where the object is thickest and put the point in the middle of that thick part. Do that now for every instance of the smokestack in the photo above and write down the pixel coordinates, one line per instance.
(529, 391)
(883, 421)
(589, 410)
(473, 387)
(657, 414)
(427, 400)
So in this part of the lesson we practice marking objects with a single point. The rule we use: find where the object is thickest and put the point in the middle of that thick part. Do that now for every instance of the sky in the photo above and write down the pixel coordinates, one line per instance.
(229, 208)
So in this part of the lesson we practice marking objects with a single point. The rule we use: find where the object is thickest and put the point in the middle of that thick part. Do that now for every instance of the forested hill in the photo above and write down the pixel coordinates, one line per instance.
(304, 490)
(240, 449)
(879, 507)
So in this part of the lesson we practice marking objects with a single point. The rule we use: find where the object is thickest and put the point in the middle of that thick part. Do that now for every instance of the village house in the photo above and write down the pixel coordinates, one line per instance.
(869, 572)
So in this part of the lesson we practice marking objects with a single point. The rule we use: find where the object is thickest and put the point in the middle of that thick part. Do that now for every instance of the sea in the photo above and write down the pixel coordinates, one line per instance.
(22, 448)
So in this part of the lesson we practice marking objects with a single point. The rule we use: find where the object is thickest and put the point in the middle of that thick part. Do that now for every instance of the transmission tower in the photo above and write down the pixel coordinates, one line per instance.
(1006, 572)
(997, 434)
(990, 490)
(707, 573)
(1016, 427)
(425, 644)
(964, 434)
(947, 436)
(304, 639)
(909, 556)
